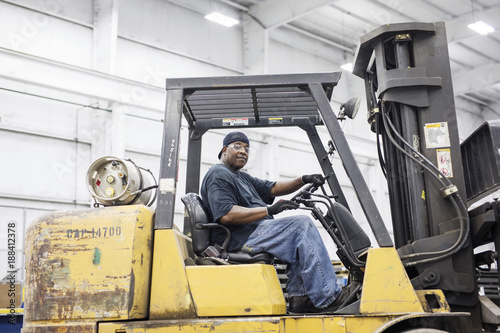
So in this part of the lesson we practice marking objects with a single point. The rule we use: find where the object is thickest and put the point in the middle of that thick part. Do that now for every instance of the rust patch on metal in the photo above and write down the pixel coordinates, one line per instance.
(75, 328)
(51, 291)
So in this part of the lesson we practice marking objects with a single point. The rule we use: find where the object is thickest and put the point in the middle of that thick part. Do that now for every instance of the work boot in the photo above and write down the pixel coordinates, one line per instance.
(301, 304)
(343, 299)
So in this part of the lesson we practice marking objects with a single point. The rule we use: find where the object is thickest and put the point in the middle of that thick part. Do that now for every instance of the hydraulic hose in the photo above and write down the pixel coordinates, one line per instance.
(431, 168)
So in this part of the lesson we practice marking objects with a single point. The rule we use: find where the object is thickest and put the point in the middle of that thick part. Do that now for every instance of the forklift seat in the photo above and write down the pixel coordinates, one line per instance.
(200, 236)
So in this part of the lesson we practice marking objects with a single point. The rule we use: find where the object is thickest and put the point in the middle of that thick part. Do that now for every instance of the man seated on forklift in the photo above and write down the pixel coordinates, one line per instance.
(240, 202)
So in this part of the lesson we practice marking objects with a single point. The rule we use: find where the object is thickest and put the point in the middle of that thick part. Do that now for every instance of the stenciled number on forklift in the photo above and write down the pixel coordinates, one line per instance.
(94, 233)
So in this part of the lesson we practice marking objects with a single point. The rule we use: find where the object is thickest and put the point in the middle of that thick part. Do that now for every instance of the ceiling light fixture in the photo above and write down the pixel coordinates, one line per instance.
(481, 28)
(222, 19)
(347, 67)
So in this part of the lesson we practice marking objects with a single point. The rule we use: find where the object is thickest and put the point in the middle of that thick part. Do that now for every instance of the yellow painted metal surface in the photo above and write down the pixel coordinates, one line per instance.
(91, 264)
(367, 323)
(335, 324)
(80, 279)
(170, 294)
(236, 290)
(325, 324)
(253, 325)
(386, 286)
(436, 296)
(275, 324)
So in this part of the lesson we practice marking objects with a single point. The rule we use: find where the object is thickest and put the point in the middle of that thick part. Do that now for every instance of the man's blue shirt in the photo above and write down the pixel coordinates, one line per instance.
(222, 188)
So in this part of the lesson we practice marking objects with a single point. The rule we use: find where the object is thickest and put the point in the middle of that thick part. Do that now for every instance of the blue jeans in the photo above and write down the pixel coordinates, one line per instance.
(296, 241)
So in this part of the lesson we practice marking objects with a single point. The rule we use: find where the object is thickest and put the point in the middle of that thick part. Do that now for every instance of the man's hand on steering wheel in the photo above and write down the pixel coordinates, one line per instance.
(280, 206)
(316, 179)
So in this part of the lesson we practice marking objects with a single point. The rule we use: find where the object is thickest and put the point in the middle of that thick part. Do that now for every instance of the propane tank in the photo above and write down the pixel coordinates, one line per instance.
(113, 181)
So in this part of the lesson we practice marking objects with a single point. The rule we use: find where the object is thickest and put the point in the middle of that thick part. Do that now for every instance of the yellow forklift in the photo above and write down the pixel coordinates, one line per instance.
(125, 268)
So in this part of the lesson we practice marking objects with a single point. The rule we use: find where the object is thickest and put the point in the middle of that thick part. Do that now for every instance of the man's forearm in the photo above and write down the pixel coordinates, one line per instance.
(284, 187)
(243, 215)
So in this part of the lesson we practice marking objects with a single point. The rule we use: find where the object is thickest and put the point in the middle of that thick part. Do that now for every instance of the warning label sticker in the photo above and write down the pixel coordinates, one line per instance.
(437, 135)
(235, 122)
(275, 121)
(444, 162)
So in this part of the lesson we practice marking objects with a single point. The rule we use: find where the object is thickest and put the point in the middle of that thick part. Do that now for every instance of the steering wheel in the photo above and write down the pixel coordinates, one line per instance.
(305, 193)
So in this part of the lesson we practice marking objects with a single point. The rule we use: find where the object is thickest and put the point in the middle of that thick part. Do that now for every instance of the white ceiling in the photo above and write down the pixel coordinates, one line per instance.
(335, 26)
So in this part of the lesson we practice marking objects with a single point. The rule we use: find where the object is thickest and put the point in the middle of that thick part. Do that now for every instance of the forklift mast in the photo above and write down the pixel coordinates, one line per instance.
(411, 108)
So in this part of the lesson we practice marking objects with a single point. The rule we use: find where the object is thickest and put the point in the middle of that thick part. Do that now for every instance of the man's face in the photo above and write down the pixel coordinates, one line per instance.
(235, 155)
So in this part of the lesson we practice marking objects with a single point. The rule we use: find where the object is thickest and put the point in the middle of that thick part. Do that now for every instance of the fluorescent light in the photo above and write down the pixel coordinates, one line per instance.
(347, 67)
(222, 19)
(481, 28)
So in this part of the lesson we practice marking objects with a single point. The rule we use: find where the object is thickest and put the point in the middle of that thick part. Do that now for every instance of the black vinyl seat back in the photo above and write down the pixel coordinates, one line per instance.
(198, 217)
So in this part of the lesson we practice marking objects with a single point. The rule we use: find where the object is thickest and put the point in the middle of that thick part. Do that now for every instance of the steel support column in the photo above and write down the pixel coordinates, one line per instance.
(169, 166)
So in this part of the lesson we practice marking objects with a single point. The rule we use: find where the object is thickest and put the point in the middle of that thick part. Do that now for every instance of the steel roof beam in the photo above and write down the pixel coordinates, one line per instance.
(274, 13)
(476, 79)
